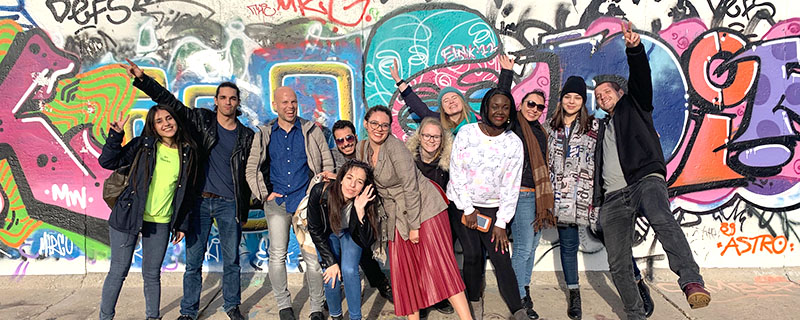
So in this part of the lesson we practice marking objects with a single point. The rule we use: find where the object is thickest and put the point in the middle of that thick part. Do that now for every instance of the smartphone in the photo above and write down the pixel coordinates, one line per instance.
(484, 222)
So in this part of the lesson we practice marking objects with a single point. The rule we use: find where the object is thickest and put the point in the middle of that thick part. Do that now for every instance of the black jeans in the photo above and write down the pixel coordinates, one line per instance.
(476, 245)
(617, 218)
(372, 270)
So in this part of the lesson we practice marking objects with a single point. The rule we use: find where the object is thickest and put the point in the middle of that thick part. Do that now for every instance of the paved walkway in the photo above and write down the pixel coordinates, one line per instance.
(736, 294)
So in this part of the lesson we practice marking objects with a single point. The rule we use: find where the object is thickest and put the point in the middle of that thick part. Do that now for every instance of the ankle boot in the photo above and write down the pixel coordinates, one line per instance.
(527, 305)
(527, 302)
(477, 309)
(520, 315)
(574, 309)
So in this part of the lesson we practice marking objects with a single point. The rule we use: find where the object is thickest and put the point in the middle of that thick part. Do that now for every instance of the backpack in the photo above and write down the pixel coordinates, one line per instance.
(118, 181)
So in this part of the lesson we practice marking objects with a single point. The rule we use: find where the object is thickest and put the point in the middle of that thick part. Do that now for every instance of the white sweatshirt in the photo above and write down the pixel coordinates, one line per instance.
(486, 172)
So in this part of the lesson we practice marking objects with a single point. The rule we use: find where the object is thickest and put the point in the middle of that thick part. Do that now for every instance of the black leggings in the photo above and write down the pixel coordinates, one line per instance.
(476, 245)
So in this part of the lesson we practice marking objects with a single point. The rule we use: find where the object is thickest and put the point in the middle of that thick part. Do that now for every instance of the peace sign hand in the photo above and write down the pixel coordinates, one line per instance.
(133, 69)
(632, 39)
(118, 125)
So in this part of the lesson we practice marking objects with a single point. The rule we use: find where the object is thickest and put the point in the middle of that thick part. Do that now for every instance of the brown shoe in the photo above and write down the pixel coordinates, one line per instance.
(696, 295)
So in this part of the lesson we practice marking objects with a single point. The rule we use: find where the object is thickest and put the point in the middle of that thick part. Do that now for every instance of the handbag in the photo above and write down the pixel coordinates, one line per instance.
(300, 219)
(117, 182)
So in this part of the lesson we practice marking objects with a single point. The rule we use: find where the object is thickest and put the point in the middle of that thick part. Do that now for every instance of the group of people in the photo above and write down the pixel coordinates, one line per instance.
(492, 181)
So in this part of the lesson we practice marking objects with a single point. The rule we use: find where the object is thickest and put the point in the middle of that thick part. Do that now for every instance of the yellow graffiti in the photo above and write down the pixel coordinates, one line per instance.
(339, 71)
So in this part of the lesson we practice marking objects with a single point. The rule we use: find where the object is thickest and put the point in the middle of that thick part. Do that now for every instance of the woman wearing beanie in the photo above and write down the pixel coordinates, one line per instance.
(572, 136)
(454, 112)
(485, 173)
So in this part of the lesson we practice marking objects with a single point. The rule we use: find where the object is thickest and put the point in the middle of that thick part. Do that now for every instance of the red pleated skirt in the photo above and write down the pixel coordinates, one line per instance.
(427, 272)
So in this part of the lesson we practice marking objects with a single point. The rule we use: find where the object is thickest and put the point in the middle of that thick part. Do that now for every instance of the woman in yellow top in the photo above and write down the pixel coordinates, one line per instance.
(161, 174)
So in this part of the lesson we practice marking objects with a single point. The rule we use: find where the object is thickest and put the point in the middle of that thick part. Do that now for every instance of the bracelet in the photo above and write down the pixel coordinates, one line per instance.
(400, 82)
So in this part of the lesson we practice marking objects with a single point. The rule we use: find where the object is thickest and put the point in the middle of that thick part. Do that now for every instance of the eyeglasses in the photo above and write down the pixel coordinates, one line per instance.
(348, 138)
(431, 137)
(539, 106)
(375, 125)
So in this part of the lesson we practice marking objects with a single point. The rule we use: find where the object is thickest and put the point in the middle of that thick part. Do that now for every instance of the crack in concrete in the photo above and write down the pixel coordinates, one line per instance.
(788, 277)
(668, 300)
(74, 290)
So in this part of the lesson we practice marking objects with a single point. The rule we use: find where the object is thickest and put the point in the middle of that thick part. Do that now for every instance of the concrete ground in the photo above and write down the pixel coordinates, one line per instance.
(736, 294)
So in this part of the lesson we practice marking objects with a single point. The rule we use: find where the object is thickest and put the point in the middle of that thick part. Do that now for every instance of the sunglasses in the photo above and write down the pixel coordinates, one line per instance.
(348, 138)
(537, 105)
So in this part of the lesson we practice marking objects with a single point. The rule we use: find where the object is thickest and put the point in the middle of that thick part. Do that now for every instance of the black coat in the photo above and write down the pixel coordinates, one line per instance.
(202, 124)
(128, 213)
(638, 145)
(320, 228)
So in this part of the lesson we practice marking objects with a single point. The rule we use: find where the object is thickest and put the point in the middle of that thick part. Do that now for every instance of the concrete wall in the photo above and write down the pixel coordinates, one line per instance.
(726, 76)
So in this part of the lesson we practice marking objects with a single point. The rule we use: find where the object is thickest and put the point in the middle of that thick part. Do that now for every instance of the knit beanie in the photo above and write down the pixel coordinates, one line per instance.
(574, 84)
(447, 90)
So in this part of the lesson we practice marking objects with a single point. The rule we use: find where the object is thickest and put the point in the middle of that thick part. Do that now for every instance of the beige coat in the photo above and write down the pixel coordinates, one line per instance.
(409, 198)
(319, 156)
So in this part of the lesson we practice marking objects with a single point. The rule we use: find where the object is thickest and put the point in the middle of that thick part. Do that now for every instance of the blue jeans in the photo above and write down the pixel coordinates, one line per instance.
(648, 197)
(155, 238)
(569, 241)
(230, 234)
(348, 253)
(525, 240)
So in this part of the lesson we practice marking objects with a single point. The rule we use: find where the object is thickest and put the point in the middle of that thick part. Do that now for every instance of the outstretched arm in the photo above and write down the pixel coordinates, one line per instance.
(412, 99)
(161, 95)
(640, 83)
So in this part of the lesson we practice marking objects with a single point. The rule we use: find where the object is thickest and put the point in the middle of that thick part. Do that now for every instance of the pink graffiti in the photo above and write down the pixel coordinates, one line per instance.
(446, 77)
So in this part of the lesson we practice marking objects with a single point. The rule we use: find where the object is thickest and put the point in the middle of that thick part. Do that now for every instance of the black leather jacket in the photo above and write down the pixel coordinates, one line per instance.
(320, 228)
(127, 214)
(202, 124)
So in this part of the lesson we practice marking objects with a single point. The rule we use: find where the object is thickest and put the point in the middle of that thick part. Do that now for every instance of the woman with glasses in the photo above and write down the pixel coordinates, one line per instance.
(430, 147)
(454, 112)
(423, 267)
(534, 210)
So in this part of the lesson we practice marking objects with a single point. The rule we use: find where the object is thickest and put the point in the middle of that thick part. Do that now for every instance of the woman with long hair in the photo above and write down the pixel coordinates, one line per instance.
(534, 210)
(423, 268)
(155, 203)
(342, 221)
(454, 112)
(430, 146)
(572, 137)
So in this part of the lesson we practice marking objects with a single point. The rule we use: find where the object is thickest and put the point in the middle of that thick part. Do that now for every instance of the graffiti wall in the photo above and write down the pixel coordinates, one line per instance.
(726, 77)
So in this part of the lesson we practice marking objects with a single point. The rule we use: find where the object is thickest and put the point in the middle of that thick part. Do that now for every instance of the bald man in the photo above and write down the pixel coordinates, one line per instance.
(286, 153)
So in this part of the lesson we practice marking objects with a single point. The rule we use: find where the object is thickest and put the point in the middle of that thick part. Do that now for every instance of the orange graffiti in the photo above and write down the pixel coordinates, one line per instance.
(762, 243)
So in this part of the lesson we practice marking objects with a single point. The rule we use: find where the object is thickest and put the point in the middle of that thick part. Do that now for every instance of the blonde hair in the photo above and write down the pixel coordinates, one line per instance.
(446, 135)
(444, 119)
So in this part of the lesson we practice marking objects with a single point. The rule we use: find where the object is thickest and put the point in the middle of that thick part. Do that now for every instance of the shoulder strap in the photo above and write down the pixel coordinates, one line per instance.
(362, 151)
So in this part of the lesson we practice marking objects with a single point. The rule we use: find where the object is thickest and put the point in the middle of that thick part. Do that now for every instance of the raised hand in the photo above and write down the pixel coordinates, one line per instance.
(362, 199)
(505, 62)
(395, 71)
(632, 39)
(119, 125)
(133, 69)
(396, 76)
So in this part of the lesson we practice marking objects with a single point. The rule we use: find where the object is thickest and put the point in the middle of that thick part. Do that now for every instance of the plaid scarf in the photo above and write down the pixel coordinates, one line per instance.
(541, 178)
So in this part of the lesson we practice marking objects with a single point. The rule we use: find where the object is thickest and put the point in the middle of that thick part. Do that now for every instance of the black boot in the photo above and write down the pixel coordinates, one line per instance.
(644, 291)
(385, 291)
(574, 309)
(527, 304)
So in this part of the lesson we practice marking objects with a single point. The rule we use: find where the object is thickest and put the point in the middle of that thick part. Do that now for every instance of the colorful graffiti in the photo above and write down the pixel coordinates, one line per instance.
(727, 101)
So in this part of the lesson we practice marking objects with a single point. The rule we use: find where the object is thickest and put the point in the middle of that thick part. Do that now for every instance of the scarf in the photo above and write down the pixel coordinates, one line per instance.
(545, 200)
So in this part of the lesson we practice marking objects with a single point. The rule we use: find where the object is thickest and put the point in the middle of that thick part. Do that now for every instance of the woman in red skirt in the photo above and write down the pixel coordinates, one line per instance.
(417, 228)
